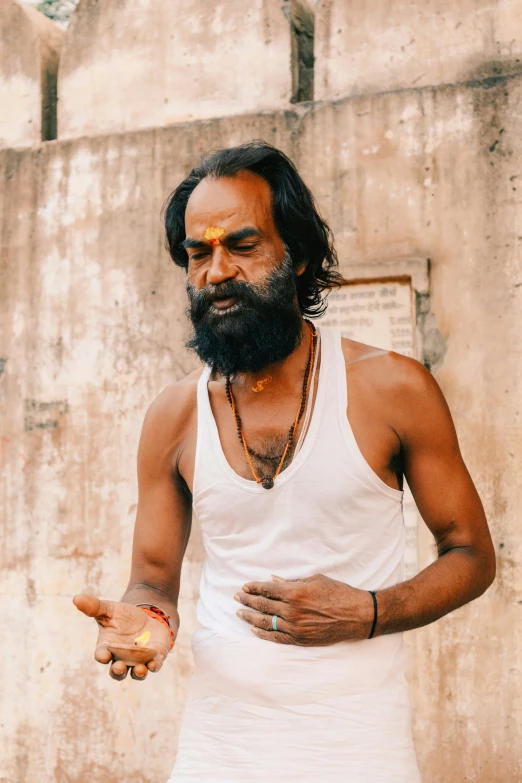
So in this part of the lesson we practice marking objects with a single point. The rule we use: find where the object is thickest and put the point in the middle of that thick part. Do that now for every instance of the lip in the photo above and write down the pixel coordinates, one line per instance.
(224, 304)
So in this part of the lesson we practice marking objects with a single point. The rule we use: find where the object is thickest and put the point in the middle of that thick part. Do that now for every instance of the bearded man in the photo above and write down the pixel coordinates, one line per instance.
(299, 661)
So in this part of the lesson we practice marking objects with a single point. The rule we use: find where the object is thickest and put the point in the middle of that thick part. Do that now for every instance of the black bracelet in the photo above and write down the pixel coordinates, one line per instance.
(374, 613)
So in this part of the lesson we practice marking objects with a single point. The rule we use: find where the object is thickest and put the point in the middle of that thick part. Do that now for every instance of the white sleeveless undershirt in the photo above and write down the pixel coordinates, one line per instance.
(259, 711)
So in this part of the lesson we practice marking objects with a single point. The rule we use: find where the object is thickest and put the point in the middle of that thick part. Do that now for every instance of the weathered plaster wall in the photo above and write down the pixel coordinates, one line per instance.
(91, 325)
(366, 46)
(145, 63)
(28, 71)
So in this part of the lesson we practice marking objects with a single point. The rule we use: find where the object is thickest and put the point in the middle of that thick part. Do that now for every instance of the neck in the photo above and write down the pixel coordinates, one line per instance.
(282, 373)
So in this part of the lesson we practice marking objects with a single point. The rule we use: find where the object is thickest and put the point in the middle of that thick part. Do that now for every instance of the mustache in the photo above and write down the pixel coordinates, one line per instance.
(251, 295)
(202, 299)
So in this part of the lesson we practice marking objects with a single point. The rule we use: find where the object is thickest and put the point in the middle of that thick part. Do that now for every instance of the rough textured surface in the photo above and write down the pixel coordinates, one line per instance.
(91, 319)
(367, 46)
(28, 70)
(143, 63)
(301, 16)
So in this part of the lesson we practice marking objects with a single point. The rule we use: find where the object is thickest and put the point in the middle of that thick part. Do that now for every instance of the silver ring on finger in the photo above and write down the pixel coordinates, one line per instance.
(274, 622)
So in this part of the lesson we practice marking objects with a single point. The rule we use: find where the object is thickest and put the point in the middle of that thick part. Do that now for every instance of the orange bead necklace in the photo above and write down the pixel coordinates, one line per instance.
(267, 482)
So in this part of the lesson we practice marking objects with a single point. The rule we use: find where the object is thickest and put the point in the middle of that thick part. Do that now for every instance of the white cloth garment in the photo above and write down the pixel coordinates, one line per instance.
(259, 711)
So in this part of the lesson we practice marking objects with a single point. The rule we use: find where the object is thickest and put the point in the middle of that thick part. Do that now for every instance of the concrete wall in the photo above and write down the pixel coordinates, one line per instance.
(28, 71)
(364, 46)
(91, 329)
(144, 63)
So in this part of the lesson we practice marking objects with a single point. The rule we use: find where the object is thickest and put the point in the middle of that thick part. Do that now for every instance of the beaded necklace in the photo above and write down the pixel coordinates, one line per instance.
(267, 482)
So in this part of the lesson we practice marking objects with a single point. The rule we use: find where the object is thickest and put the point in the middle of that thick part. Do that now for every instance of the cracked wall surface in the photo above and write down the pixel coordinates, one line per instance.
(364, 46)
(145, 63)
(92, 323)
(92, 327)
(29, 56)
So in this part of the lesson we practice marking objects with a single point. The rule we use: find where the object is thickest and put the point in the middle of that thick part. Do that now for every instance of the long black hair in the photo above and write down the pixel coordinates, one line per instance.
(306, 236)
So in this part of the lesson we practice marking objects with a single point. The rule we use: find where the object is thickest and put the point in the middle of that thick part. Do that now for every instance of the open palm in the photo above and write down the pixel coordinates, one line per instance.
(120, 624)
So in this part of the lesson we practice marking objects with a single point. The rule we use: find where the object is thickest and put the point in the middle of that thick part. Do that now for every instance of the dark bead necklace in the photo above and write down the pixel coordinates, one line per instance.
(264, 457)
(267, 482)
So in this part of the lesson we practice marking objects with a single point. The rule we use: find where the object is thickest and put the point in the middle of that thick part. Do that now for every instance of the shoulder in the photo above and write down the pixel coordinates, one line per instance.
(172, 413)
(404, 393)
(176, 399)
(403, 384)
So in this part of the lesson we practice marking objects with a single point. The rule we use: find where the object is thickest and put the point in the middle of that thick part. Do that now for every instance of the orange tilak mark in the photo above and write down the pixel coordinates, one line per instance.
(260, 385)
(212, 234)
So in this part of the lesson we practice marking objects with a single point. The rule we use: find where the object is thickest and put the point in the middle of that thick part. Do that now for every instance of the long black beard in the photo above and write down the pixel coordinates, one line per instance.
(265, 328)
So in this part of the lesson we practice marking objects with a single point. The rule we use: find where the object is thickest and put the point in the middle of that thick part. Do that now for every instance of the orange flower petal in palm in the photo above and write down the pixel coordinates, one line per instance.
(143, 639)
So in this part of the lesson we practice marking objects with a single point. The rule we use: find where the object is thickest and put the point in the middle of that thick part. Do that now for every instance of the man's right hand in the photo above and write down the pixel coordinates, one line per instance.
(120, 624)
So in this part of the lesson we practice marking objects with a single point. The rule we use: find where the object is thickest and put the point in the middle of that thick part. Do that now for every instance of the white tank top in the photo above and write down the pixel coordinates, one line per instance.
(327, 513)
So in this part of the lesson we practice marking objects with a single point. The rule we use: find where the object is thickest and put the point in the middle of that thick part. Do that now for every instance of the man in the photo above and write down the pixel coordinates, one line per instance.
(299, 670)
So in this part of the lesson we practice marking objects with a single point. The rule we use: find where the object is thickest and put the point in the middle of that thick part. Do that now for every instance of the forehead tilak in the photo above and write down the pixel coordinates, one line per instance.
(213, 234)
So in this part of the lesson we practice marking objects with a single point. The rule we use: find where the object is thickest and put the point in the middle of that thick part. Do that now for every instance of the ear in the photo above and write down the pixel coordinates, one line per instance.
(301, 268)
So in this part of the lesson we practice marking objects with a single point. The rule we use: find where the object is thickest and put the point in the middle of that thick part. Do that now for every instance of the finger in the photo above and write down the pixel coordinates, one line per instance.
(93, 607)
(276, 578)
(278, 590)
(274, 636)
(263, 621)
(157, 662)
(118, 670)
(260, 603)
(139, 672)
(102, 655)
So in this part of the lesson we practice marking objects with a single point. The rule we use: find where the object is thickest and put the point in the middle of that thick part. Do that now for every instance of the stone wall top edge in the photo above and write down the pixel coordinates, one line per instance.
(295, 112)
(486, 83)
(173, 128)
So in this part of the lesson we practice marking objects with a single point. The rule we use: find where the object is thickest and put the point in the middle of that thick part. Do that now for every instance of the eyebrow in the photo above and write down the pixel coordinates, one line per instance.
(235, 236)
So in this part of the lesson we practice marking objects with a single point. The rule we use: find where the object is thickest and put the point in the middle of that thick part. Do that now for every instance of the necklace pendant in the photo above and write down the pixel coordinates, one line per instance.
(267, 482)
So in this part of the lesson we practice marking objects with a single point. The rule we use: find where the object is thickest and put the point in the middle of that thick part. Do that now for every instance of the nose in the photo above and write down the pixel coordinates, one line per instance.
(221, 268)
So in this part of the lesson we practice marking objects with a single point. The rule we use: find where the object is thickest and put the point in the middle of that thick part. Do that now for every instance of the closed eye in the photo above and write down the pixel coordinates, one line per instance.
(241, 248)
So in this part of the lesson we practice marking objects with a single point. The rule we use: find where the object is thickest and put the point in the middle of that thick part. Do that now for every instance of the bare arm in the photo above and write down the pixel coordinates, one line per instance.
(323, 611)
(160, 538)
(163, 518)
(448, 503)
